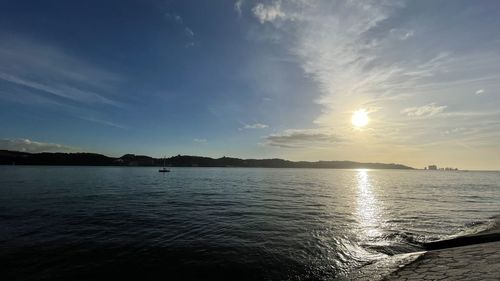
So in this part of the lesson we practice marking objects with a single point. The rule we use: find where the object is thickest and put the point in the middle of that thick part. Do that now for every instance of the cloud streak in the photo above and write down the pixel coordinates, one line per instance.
(27, 145)
(254, 126)
(428, 110)
(302, 139)
(402, 34)
(61, 91)
(47, 70)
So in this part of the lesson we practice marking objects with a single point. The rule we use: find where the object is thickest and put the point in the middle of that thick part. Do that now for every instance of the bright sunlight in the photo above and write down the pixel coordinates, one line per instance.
(360, 118)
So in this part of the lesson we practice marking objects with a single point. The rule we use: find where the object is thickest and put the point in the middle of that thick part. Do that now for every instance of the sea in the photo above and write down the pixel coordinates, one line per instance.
(134, 223)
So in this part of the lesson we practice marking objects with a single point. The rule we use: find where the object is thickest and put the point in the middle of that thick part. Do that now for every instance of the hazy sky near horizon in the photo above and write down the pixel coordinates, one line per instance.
(254, 79)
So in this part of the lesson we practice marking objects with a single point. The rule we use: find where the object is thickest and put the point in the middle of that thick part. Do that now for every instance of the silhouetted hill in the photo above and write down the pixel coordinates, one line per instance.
(24, 158)
(93, 159)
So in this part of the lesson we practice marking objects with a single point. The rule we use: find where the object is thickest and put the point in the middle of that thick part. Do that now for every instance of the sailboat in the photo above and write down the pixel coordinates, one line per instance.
(164, 168)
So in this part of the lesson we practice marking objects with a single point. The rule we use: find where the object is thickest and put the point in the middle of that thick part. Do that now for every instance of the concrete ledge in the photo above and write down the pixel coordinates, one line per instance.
(471, 257)
(473, 262)
(462, 241)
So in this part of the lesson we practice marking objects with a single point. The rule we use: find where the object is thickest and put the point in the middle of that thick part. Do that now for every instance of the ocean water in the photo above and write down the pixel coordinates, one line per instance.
(127, 223)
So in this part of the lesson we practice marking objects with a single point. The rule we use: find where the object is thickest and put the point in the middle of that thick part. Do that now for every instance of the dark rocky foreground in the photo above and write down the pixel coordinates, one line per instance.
(92, 159)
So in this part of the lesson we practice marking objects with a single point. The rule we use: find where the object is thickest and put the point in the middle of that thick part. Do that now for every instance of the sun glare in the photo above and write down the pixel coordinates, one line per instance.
(360, 118)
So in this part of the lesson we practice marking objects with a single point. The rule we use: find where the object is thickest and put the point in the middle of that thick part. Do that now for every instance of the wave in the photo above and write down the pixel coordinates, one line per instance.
(491, 224)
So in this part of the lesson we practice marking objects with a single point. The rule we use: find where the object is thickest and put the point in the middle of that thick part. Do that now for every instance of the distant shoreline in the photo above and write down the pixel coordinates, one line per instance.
(92, 159)
(125, 166)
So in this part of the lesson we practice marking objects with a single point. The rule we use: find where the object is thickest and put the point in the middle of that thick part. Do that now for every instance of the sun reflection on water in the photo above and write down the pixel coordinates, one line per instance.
(368, 207)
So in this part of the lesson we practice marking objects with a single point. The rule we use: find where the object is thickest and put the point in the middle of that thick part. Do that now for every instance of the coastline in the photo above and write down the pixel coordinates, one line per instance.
(93, 159)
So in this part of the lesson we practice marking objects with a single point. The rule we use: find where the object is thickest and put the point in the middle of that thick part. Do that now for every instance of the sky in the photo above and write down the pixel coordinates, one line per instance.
(254, 79)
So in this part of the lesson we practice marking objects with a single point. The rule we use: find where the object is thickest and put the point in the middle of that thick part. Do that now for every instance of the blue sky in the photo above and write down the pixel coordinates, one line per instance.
(254, 79)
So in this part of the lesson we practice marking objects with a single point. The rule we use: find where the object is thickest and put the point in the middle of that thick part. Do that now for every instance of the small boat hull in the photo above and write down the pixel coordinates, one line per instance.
(163, 170)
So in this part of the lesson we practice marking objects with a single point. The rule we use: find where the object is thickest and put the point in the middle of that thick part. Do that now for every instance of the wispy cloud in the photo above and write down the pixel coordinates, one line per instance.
(47, 70)
(174, 17)
(103, 122)
(238, 6)
(302, 138)
(200, 140)
(268, 13)
(188, 32)
(402, 34)
(424, 111)
(61, 91)
(27, 145)
(41, 74)
(254, 126)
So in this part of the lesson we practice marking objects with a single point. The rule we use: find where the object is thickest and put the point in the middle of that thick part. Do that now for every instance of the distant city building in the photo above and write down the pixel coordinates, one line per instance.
(435, 168)
(432, 167)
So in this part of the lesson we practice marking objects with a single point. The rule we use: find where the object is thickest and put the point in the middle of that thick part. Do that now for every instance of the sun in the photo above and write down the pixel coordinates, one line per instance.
(360, 118)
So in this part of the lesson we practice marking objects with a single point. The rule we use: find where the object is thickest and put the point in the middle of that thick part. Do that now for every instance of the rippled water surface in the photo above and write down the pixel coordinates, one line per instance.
(88, 223)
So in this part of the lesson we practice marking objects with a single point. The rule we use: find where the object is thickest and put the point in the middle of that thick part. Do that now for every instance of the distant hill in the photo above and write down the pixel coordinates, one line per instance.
(92, 159)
